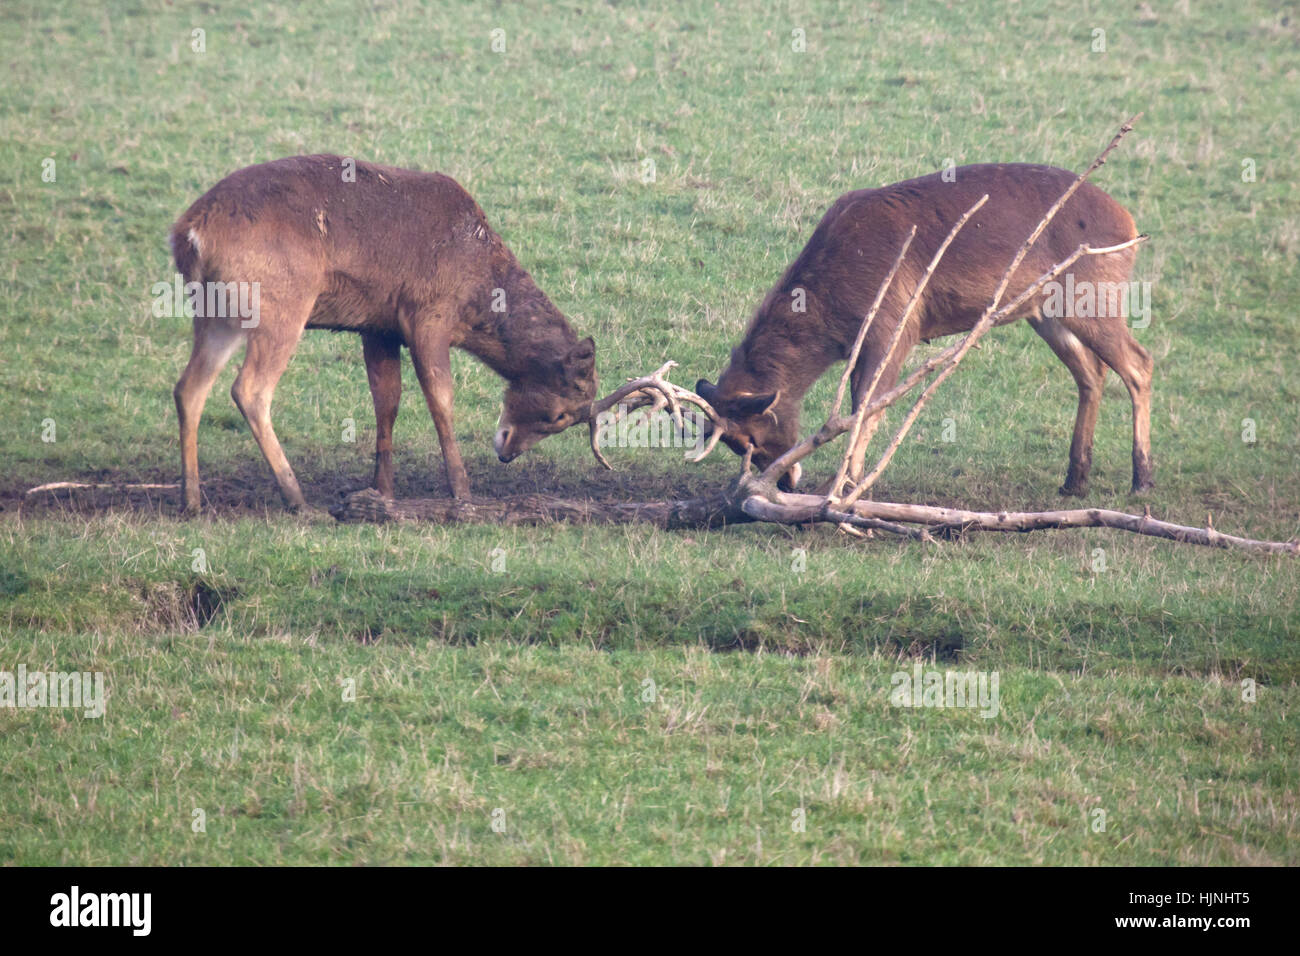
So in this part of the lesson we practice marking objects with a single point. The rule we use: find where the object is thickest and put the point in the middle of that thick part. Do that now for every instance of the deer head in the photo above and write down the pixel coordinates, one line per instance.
(546, 399)
(758, 424)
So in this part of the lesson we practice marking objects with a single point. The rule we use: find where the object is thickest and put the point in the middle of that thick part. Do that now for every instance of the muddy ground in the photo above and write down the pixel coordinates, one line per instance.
(251, 491)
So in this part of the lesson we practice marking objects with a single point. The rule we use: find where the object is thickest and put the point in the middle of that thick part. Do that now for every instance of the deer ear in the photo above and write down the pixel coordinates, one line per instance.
(750, 405)
(580, 362)
(583, 354)
(706, 390)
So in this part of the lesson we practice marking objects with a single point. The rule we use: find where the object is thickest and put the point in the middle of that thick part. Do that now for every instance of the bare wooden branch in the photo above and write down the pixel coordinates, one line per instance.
(986, 321)
(760, 509)
(750, 499)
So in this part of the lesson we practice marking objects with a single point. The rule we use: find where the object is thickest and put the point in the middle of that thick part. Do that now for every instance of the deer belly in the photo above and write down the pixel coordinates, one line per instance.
(346, 308)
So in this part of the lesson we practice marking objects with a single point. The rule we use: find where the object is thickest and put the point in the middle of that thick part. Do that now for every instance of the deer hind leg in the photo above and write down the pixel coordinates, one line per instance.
(1089, 375)
(1111, 339)
(384, 370)
(269, 350)
(431, 356)
(215, 341)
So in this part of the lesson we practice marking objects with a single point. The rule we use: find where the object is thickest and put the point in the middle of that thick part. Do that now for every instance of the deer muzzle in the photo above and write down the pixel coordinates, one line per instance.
(501, 444)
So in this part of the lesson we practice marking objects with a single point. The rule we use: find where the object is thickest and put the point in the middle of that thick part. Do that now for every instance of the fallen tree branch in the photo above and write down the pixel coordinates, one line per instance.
(760, 509)
(749, 498)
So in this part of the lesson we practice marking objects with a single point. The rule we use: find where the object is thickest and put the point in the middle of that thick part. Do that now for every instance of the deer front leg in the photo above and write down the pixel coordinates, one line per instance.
(858, 460)
(432, 358)
(873, 353)
(1089, 375)
(384, 370)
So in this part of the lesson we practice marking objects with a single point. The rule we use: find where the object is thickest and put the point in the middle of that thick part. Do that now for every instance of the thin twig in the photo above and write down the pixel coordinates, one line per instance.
(65, 485)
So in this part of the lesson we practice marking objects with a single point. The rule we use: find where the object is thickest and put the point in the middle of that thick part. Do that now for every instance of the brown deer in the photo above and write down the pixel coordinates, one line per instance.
(811, 318)
(403, 258)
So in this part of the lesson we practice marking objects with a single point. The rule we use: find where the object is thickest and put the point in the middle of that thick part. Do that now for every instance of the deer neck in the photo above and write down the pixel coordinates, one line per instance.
(787, 356)
(519, 330)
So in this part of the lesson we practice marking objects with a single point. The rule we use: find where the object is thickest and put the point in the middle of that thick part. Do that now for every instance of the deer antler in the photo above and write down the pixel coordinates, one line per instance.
(657, 393)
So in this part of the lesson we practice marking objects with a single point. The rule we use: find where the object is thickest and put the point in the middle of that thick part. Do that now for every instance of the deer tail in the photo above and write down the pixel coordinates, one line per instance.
(187, 250)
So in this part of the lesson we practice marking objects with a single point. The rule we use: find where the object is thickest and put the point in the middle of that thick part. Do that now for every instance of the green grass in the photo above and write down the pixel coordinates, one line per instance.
(1121, 689)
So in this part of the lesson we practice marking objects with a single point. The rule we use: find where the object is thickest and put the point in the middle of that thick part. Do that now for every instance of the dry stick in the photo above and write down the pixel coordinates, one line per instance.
(760, 509)
(986, 320)
(723, 509)
(946, 520)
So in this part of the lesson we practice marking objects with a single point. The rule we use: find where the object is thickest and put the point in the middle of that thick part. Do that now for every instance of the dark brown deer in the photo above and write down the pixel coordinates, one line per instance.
(403, 258)
(810, 319)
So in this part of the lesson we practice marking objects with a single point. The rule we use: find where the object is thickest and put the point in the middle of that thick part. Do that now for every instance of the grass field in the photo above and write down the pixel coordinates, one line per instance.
(345, 694)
